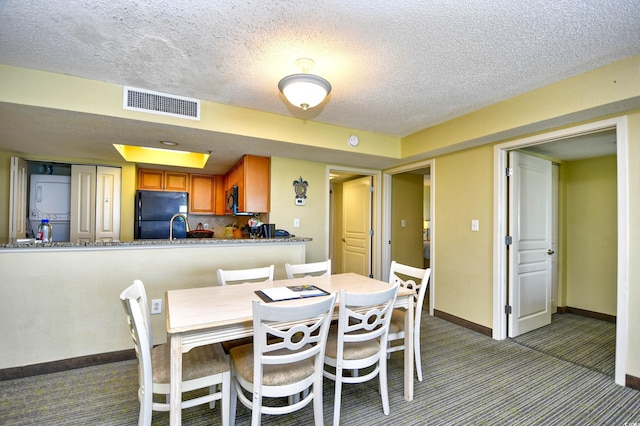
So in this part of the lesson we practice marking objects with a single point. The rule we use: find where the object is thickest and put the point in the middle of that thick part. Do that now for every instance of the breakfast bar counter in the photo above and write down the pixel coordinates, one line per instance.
(60, 300)
(181, 242)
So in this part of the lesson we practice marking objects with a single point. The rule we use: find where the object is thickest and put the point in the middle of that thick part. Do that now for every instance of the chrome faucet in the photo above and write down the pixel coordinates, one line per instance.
(186, 223)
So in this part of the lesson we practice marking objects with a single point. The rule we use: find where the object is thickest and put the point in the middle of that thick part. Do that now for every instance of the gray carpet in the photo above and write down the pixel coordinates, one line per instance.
(588, 342)
(469, 379)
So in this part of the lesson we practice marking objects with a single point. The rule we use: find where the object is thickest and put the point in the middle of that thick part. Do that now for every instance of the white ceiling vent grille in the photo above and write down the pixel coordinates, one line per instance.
(161, 103)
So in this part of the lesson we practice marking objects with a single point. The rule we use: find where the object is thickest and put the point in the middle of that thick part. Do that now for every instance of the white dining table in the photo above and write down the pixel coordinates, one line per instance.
(205, 315)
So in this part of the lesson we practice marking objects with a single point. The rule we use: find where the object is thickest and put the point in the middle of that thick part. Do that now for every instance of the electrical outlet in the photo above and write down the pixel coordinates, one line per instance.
(206, 226)
(156, 306)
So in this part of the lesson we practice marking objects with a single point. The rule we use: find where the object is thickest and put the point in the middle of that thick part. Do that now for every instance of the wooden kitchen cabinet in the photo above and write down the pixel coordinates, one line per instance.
(206, 194)
(162, 180)
(252, 176)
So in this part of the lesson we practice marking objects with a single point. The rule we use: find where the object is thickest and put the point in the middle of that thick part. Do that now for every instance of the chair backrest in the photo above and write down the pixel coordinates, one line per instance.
(412, 278)
(134, 302)
(308, 269)
(277, 343)
(365, 316)
(238, 276)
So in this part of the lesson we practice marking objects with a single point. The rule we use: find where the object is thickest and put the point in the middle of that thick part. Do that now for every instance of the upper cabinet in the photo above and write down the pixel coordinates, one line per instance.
(206, 194)
(251, 175)
(162, 180)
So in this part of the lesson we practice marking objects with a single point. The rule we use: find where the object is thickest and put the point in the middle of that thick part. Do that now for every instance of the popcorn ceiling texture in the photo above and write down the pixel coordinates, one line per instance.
(395, 67)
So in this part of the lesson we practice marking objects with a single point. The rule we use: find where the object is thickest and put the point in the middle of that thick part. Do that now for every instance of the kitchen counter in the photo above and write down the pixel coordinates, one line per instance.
(60, 300)
(155, 243)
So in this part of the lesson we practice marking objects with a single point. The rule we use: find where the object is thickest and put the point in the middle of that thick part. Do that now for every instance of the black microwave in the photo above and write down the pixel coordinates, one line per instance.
(231, 206)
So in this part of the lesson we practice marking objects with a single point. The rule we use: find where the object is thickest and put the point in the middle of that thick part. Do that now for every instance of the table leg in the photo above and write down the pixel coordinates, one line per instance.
(176, 380)
(408, 351)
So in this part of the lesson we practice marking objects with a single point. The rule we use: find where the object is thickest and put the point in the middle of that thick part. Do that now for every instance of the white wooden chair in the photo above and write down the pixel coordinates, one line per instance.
(308, 269)
(204, 366)
(284, 360)
(418, 280)
(238, 276)
(360, 341)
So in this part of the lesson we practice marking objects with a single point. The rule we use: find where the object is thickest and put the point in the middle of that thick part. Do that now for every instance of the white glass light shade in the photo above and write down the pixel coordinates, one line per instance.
(304, 90)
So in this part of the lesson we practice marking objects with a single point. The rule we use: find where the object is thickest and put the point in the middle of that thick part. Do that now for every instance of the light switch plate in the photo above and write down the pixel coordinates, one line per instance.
(296, 223)
(475, 225)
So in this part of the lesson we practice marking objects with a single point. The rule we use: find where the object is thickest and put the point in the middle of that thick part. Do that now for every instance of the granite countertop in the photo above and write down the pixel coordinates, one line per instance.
(156, 243)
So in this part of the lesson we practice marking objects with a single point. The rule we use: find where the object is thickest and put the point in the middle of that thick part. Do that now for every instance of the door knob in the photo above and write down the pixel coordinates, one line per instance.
(550, 252)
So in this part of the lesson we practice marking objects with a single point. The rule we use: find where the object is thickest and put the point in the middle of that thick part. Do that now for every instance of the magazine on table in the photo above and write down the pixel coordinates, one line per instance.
(277, 294)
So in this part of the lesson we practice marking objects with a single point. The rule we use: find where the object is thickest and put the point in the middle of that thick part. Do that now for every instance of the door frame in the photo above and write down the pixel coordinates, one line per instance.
(500, 229)
(386, 213)
(376, 202)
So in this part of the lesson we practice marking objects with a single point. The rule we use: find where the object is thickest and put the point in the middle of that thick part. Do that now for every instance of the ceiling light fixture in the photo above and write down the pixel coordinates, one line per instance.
(304, 90)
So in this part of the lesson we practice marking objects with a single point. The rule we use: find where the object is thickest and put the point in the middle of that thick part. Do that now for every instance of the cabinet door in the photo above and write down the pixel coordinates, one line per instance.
(176, 181)
(202, 194)
(220, 195)
(256, 184)
(150, 180)
(240, 170)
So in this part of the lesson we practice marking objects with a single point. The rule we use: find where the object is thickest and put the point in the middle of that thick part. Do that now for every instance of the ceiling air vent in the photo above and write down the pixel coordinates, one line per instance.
(161, 103)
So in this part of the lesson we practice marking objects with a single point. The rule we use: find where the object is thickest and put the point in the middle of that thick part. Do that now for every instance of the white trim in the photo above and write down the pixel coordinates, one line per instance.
(500, 226)
(622, 311)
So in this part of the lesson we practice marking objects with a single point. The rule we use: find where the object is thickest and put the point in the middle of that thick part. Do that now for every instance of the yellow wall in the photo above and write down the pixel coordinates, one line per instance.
(464, 285)
(313, 215)
(592, 254)
(406, 204)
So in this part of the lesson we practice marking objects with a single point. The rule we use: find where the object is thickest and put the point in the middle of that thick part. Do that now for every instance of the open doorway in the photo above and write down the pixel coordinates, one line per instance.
(425, 231)
(501, 274)
(354, 204)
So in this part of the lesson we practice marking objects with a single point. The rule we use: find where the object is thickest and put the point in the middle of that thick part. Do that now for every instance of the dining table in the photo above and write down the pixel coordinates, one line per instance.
(214, 314)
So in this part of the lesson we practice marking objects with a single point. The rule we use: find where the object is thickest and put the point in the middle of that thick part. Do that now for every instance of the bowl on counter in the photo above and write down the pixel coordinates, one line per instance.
(200, 232)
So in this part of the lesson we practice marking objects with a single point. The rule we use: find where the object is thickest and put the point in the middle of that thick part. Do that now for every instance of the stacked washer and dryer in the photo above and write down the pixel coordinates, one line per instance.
(50, 198)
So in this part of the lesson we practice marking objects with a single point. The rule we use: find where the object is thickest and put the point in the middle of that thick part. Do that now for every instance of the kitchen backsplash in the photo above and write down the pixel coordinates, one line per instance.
(218, 223)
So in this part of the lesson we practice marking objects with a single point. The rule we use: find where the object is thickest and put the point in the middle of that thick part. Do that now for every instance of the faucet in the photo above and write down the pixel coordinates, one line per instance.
(186, 223)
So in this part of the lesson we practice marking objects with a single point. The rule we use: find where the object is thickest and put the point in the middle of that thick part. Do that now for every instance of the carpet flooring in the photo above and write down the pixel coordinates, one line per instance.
(585, 341)
(469, 379)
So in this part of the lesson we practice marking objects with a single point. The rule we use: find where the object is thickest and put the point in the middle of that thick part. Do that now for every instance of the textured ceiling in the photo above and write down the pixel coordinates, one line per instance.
(395, 67)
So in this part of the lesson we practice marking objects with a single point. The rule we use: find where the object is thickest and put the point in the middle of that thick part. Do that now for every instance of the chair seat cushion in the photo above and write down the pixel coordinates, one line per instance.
(352, 350)
(397, 321)
(273, 375)
(199, 362)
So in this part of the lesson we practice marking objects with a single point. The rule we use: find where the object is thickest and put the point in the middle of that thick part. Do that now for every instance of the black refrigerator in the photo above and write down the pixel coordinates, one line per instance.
(154, 210)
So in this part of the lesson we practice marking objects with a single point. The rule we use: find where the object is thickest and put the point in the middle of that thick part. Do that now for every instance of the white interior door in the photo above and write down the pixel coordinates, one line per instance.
(356, 226)
(554, 237)
(530, 227)
(108, 203)
(18, 199)
(83, 203)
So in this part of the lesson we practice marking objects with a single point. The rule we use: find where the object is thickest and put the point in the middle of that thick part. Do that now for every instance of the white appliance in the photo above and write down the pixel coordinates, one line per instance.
(50, 198)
